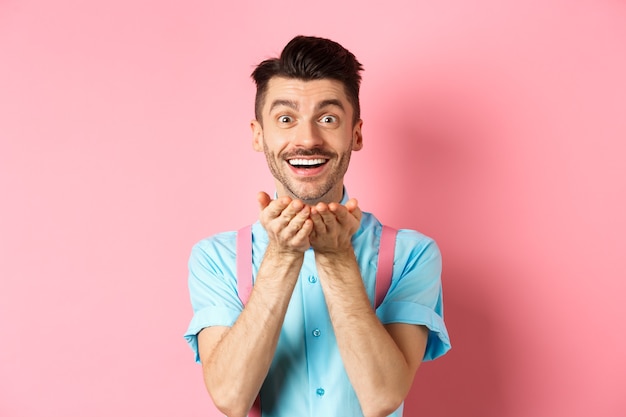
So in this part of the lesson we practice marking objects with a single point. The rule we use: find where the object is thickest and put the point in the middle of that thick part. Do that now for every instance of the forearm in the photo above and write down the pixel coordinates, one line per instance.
(377, 368)
(236, 367)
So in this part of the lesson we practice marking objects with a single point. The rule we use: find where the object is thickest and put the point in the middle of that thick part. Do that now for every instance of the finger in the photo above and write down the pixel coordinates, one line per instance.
(353, 208)
(304, 231)
(264, 199)
(317, 222)
(297, 221)
(328, 216)
(276, 207)
(296, 233)
(292, 210)
(338, 210)
(357, 213)
(342, 216)
(352, 205)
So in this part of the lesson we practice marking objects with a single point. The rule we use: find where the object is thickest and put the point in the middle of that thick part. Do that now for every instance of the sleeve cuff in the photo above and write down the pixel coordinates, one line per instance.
(207, 317)
(405, 312)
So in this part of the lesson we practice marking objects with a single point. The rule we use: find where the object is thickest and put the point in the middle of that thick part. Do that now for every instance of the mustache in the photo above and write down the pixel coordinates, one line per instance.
(309, 152)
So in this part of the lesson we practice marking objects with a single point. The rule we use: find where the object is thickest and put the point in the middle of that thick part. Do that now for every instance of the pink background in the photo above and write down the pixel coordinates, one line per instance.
(498, 128)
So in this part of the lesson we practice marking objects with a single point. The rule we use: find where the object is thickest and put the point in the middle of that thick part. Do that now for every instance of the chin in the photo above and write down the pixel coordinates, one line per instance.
(313, 197)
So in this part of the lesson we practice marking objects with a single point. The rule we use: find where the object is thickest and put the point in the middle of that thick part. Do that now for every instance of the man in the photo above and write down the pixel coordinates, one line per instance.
(309, 340)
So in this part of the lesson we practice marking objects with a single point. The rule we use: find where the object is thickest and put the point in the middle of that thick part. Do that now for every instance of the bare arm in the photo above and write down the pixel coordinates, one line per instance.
(381, 361)
(247, 348)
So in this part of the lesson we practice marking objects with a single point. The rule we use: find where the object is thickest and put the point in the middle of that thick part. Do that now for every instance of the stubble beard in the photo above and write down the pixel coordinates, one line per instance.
(297, 188)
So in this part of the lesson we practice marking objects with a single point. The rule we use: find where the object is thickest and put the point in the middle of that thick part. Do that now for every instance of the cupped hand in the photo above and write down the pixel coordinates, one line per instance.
(286, 222)
(334, 225)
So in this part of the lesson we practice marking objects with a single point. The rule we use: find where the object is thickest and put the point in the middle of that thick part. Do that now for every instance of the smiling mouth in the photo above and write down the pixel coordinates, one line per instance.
(307, 163)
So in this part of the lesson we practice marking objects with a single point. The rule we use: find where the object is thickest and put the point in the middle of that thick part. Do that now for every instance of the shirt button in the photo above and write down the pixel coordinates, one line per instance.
(320, 392)
(312, 279)
(317, 333)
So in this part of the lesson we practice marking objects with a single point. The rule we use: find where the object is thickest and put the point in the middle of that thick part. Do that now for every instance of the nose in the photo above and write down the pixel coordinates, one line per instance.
(308, 135)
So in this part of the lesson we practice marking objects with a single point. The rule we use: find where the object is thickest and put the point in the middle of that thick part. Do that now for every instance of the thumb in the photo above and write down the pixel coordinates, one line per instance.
(264, 199)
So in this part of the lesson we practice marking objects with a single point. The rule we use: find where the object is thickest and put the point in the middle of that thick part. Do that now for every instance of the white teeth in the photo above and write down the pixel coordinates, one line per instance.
(301, 162)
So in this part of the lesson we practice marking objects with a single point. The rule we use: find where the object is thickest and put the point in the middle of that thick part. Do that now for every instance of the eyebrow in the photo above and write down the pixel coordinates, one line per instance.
(287, 103)
(294, 105)
(330, 102)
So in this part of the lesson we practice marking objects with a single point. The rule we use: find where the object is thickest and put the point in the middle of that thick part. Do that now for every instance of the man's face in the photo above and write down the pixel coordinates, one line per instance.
(307, 134)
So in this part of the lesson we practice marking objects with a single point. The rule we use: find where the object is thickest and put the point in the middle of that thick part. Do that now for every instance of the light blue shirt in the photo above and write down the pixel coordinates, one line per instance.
(307, 376)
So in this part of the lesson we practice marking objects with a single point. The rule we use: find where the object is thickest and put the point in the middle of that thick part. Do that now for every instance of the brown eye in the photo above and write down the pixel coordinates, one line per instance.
(328, 119)
(285, 119)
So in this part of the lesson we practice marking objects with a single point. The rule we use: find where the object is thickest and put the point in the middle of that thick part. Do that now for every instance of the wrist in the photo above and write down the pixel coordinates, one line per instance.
(336, 258)
(282, 254)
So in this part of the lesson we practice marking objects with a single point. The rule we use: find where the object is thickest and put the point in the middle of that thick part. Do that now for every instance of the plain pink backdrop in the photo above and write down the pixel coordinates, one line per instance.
(498, 128)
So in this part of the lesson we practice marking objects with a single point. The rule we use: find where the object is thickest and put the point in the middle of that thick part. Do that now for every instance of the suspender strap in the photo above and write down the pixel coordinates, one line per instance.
(244, 285)
(244, 263)
(245, 280)
(384, 269)
(255, 411)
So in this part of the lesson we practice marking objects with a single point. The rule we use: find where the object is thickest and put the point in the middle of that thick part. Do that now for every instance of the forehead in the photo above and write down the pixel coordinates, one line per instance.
(305, 93)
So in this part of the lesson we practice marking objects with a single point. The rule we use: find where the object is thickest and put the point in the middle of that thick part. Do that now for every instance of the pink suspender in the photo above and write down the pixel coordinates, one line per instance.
(245, 279)
(384, 269)
(244, 263)
(244, 285)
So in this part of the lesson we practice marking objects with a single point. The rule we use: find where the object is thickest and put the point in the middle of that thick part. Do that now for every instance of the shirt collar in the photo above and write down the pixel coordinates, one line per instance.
(345, 198)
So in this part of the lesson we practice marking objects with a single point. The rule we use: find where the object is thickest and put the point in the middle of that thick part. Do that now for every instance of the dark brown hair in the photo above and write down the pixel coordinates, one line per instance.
(311, 58)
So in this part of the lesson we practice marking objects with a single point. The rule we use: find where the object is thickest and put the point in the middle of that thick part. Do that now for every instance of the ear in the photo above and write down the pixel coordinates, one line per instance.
(257, 135)
(357, 136)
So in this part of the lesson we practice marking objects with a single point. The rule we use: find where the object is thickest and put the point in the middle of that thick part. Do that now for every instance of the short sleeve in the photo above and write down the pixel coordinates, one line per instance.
(415, 295)
(212, 286)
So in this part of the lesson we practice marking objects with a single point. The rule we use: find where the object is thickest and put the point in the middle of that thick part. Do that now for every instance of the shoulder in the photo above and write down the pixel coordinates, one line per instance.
(418, 255)
(406, 238)
(213, 252)
(223, 241)
(411, 245)
(415, 240)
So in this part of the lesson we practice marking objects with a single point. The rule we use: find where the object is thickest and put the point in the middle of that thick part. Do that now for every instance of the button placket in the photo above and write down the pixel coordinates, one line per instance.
(316, 322)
